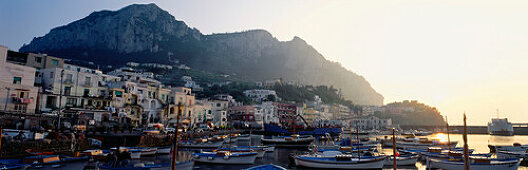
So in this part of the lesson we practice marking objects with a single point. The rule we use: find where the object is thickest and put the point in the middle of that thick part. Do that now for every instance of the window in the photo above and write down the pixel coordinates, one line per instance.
(70, 101)
(87, 81)
(38, 59)
(55, 62)
(118, 94)
(163, 96)
(69, 78)
(17, 80)
(51, 75)
(86, 92)
(67, 91)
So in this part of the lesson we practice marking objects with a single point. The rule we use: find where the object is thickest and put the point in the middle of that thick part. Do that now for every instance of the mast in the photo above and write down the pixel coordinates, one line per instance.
(394, 149)
(466, 154)
(175, 147)
(230, 131)
(448, 139)
(357, 137)
(1, 132)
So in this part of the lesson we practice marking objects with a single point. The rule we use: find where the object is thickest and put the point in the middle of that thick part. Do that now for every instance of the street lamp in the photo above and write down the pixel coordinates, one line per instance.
(60, 101)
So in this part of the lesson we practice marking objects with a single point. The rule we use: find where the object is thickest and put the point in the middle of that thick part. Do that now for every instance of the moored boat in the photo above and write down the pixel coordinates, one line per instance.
(512, 154)
(202, 143)
(475, 163)
(226, 157)
(163, 150)
(339, 162)
(293, 140)
(265, 148)
(260, 152)
(516, 147)
(402, 160)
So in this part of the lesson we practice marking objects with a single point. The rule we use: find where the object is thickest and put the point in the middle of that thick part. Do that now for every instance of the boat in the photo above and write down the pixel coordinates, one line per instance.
(475, 163)
(12, 164)
(244, 137)
(512, 154)
(200, 143)
(265, 148)
(147, 151)
(138, 166)
(339, 161)
(163, 150)
(41, 159)
(38, 152)
(266, 167)
(135, 153)
(517, 147)
(260, 151)
(96, 154)
(402, 160)
(500, 127)
(226, 157)
(418, 143)
(293, 140)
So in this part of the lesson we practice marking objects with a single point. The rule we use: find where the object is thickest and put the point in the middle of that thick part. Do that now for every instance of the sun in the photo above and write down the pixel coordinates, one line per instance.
(442, 137)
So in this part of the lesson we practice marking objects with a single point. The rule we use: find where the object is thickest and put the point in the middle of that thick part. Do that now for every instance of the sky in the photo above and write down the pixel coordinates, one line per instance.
(457, 55)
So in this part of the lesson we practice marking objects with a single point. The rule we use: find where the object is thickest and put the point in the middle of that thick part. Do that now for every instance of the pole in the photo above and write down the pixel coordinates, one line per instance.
(448, 138)
(175, 145)
(1, 133)
(466, 154)
(394, 149)
(7, 99)
(230, 131)
(357, 138)
(60, 101)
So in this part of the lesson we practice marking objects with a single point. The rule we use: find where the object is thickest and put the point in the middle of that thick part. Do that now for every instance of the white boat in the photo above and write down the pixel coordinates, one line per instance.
(418, 143)
(293, 140)
(265, 148)
(203, 143)
(148, 151)
(244, 137)
(475, 164)
(408, 160)
(236, 149)
(135, 153)
(501, 127)
(164, 150)
(339, 162)
(226, 157)
(516, 147)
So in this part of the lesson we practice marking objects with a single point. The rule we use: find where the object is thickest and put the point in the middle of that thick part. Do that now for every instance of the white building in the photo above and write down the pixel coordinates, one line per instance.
(371, 122)
(260, 95)
(270, 113)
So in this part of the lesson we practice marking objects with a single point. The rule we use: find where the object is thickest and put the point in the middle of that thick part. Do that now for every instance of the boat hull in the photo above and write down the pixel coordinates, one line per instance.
(216, 144)
(247, 159)
(402, 161)
(367, 164)
(164, 151)
(443, 164)
(501, 133)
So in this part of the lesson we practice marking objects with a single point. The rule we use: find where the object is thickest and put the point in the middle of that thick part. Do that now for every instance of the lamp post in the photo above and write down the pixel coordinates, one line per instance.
(60, 101)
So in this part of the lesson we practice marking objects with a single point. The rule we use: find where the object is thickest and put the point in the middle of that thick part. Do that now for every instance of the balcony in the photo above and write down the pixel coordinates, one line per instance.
(19, 100)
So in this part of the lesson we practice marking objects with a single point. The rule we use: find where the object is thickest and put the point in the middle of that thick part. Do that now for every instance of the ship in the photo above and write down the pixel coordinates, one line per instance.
(500, 126)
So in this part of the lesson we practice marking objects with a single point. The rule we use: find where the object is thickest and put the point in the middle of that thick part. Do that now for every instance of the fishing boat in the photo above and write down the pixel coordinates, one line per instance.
(244, 137)
(419, 143)
(226, 157)
(402, 160)
(260, 151)
(12, 164)
(96, 154)
(266, 167)
(38, 152)
(135, 153)
(163, 150)
(339, 161)
(475, 163)
(512, 154)
(200, 143)
(265, 148)
(517, 147)
(293, 140)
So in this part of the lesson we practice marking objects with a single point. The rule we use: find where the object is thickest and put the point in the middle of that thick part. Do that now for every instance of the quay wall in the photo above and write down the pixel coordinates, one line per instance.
(470, 129)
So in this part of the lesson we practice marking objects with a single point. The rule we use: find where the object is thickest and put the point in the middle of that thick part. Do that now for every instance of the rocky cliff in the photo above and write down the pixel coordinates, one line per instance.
(146, 33)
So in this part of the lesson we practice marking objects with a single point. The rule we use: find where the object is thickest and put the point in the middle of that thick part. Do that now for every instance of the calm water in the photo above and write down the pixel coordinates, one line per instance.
(280, 155)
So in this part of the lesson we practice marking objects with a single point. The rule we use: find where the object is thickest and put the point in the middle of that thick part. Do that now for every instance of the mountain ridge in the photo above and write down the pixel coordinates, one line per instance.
(146, 33)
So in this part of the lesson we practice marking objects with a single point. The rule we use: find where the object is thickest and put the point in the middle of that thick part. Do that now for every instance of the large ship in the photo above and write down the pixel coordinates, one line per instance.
(501, 127)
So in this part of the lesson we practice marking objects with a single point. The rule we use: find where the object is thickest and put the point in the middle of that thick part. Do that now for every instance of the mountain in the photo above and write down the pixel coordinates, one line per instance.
(146, 33)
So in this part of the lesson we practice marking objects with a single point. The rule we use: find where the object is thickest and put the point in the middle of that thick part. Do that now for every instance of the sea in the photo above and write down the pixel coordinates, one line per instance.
(280, 155)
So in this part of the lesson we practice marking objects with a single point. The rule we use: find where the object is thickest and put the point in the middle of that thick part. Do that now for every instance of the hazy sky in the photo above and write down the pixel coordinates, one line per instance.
(457, 55)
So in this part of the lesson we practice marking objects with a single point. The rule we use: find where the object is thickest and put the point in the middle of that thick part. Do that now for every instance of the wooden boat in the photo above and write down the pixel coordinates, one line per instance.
(418, 143)
(148, 151)
(402, 160)
(96, 154)
(135, 153)
(226, 157)
(339, 161)
(260, 151)
(475, 163)
(201, 143)
(266, 167)
(244, 137)
(164, 150)
(265, 148)
(293, 140)
(516, 147)
(512, 154)
(139, 166)
(38, 152)
(12, 164)
(41, 159)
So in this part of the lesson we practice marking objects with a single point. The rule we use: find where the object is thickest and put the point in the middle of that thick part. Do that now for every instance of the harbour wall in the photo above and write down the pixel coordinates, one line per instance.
(470, 129)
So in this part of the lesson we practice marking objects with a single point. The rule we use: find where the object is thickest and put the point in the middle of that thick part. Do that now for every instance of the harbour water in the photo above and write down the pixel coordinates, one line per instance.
(280, 155)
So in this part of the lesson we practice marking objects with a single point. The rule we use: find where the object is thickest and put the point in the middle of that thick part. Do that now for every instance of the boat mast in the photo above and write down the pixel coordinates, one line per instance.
(357, 137)
(466, 154)
(175, 147)
(394, 149)
(448, 139)
(230, 131)
(1, 132)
